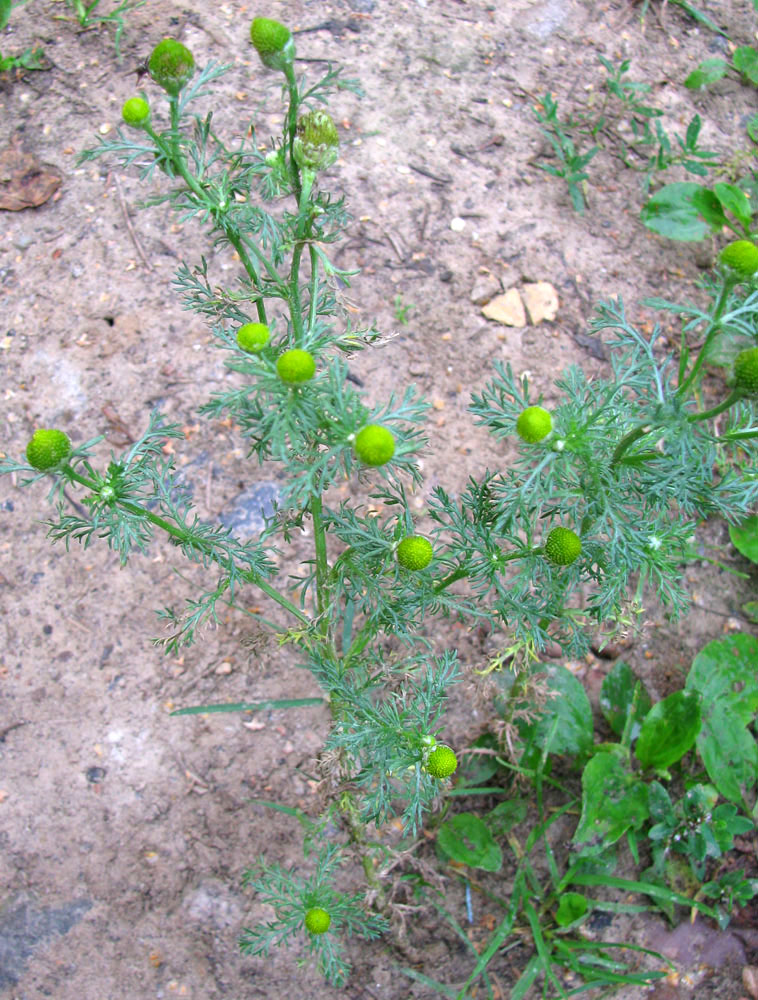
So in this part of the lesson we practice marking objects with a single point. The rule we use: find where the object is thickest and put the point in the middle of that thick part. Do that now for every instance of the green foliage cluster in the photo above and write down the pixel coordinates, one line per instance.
(597, 507)
(619, 121)
(625, 126)
(29, 58)
(699, 741)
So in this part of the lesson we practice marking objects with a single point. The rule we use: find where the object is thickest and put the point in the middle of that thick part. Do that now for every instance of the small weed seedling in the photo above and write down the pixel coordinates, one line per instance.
(597, 505)
(625, 127)
(89, 15)
(690, 211)
(30, 58)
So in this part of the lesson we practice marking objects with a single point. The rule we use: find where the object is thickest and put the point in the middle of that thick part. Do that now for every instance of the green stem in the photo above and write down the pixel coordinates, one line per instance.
(313, 291)
(291, 126)
(629, 440)
(304, 226)
(734, 396)
(462, 571)
(322, 562)
(181, 536)
(713, 328)
(174, 153)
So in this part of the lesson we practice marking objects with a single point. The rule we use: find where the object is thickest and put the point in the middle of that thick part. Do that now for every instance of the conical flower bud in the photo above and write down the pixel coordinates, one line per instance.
(273, 43)
(171, 65)
(442, 762)
(374, 445)
(253, 337)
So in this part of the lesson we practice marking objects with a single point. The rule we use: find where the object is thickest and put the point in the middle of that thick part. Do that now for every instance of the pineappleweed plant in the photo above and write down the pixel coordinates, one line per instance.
(603, 494)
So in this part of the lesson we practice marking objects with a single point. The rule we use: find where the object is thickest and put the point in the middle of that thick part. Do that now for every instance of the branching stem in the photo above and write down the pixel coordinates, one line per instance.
(181, 536)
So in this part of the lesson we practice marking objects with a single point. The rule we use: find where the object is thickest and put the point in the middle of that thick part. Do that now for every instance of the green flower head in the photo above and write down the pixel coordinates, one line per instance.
(441, 762)
(317, 920)
(47, 449)
(740, 258)
(746, 371)
(415, 552)
(171, 65)
(374, 445)
(534, 424)
(253, 337)
(317, 143)
(136, 112)
(295, 367)
(562, 546)
(273, 43)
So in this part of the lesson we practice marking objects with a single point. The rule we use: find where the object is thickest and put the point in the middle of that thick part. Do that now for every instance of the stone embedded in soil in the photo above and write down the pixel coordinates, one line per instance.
(541, 301)
(251, 508)
(24, 928)
(507, 309)
(694, 944)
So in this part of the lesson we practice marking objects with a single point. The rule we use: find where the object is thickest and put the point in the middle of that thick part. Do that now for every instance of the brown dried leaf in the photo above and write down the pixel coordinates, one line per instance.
(24, 181)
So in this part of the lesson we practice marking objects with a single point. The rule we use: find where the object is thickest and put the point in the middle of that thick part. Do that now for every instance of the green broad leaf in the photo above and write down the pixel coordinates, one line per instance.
(617, 697)
(570, 705)
(467, 839)
(257, 706)
(729, 752)
(572, 906)
(745, 59)
(745, 537)
(708, 72)
(6, 6)
(477, 769)
(752, 128)
(502, 819)
(750, 610)
(727, 669)
(613, 801)
(709, 207)
(671, 213)
(669, 730)
(734, 200)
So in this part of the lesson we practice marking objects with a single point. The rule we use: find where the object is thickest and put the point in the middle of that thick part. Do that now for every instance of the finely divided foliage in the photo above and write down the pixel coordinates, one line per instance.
(598, 503)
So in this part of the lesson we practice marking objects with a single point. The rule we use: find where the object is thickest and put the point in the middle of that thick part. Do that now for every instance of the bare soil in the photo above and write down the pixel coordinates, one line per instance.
(124, 832)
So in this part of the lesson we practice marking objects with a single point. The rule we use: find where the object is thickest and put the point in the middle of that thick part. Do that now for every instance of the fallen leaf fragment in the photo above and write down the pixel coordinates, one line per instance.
(24, 181)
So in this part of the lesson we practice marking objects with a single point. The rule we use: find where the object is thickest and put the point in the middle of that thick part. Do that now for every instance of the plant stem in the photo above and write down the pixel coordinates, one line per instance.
(313, 291)
(181, 536)
(174, 153)
(463, 571)
(322, 563)
(629, 440)
(291, 126)
(734, 396)
(713, 328)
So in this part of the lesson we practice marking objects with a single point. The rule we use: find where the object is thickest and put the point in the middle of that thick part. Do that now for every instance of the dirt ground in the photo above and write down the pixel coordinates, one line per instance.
(124, 832)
